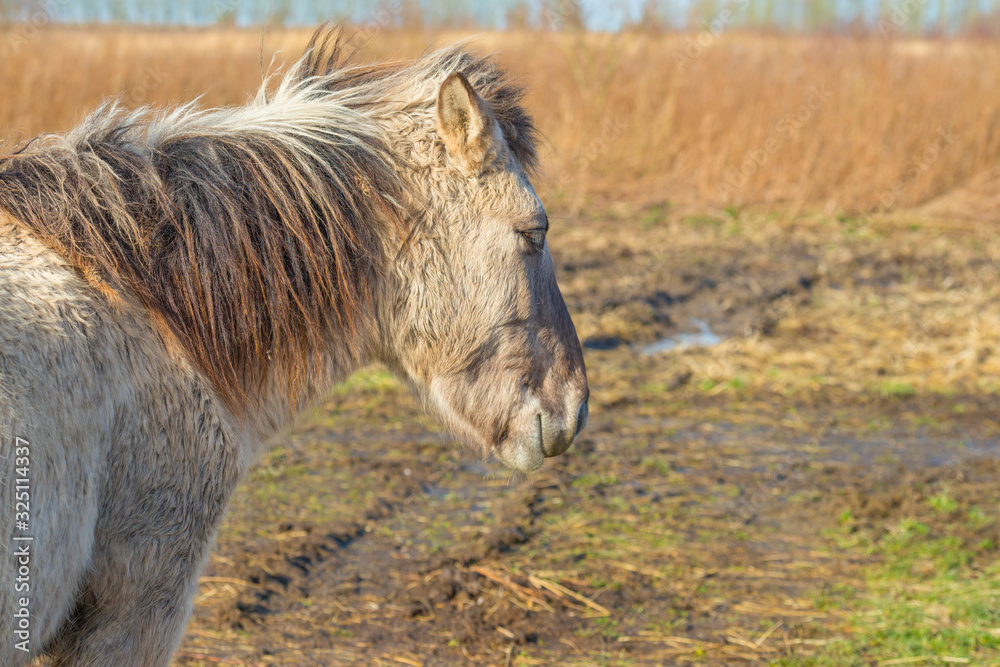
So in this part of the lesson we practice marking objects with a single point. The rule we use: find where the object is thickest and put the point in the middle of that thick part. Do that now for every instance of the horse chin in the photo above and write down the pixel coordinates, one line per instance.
(521, 456)
(522, 451)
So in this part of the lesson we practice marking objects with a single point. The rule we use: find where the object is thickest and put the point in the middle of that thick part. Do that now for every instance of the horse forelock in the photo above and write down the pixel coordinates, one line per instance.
(251, 234)
(413, 85)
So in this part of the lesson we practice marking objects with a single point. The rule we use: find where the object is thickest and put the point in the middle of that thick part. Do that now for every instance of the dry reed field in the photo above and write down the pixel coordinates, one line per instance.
(814, 481)
(821, 123)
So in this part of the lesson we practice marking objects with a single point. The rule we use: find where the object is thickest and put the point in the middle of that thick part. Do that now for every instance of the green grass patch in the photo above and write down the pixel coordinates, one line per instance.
(928, 599)
(703, 221)
(653, 216)
(375, 380)
(892, 389)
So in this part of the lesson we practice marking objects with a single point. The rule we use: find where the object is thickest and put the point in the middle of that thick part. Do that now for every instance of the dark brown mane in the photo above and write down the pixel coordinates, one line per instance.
(251, 234)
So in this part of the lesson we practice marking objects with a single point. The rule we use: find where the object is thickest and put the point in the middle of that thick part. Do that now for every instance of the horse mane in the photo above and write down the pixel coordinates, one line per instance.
(252, 233)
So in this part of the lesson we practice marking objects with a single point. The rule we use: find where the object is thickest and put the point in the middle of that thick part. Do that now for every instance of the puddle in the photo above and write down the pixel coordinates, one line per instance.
(704, 338)
(602, 343)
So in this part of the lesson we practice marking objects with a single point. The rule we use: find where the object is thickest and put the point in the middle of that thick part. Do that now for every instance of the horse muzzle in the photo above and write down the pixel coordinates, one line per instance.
(541, 436)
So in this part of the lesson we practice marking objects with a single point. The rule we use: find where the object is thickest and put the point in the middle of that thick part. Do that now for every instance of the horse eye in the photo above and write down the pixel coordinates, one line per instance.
(536, 237)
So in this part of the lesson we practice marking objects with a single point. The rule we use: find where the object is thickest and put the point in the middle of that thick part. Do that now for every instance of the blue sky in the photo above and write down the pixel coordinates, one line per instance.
(600, 14)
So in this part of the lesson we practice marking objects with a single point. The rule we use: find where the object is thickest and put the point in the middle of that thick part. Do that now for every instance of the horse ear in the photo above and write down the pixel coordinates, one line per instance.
(466, 124)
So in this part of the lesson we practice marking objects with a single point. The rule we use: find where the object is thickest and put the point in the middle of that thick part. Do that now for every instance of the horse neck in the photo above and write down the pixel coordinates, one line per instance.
(278, 403)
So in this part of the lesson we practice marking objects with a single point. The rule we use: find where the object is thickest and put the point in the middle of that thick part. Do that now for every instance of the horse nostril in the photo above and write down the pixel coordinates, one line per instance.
(581, 418)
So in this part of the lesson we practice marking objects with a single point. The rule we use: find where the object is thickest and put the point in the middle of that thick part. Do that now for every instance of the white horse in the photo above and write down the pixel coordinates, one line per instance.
(175, 287)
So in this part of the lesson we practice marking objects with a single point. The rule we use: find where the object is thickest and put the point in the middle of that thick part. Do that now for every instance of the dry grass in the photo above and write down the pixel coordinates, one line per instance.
(631, 116)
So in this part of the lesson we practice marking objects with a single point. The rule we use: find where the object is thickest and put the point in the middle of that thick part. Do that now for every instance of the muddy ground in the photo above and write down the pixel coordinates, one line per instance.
(727, 504)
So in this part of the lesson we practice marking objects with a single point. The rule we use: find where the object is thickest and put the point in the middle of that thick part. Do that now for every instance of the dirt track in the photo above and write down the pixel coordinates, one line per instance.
(715, 508)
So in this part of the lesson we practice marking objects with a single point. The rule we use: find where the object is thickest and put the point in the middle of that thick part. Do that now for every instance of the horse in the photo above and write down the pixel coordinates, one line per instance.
(177, 284)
